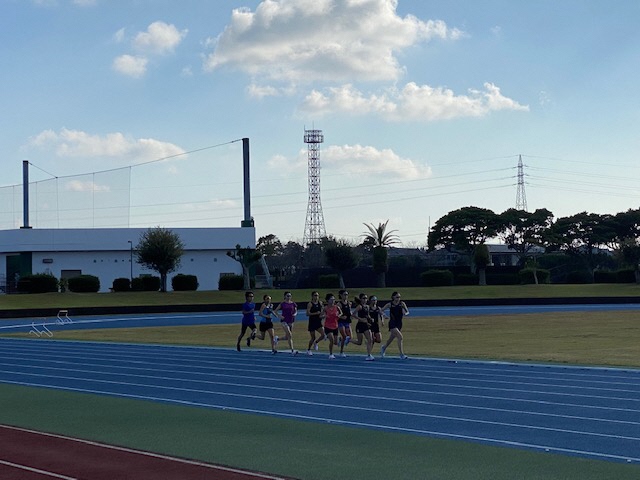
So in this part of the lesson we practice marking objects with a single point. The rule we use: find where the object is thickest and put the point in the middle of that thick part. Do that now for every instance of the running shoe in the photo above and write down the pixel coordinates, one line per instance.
(238, 348)
(369, 358)
(294, 352)
(248, 341)
(347, 340)
(343, 355)
(403, 357)
(315, 346)
(275, 340)
(382, 349)
(309, 353)
(332, 357)
(273, 352)
(253, 335)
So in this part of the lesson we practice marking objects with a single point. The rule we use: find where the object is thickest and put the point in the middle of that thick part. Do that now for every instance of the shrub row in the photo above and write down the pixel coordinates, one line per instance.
(233, 282)
(446, 278)
(45, 283)
(150, 283)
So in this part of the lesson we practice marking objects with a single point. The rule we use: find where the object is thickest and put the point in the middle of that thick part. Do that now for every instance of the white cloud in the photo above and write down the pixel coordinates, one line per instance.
(78, 144)
(367, 160)
(159, 38)
(303, 40)
(412, 103)
(130, 65)
(357, 160)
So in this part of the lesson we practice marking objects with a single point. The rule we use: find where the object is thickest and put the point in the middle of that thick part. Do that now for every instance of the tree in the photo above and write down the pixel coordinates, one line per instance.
(269, 246)
(380, 240)
(160, 249)
(247, 257)
(581, 236)
(341, 257)
(627, 225)
(522, 230)
(463, 230)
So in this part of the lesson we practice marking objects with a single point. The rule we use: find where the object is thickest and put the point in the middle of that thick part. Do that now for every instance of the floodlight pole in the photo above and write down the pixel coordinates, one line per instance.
(25, 194)
(248, 220)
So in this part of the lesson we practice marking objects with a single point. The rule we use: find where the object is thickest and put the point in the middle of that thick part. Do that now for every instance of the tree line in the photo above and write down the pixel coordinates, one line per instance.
(588, 238)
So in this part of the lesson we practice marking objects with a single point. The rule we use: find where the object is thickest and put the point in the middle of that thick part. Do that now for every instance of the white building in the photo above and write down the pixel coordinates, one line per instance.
(108, 253)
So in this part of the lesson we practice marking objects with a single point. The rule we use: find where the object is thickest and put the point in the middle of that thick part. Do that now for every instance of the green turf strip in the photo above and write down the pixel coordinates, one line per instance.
(304, 450)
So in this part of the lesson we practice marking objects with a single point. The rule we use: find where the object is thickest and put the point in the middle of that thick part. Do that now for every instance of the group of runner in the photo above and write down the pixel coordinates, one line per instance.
(329, 321)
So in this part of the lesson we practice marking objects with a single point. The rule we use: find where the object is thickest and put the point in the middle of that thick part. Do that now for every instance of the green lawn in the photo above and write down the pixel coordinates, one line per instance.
(68, 300)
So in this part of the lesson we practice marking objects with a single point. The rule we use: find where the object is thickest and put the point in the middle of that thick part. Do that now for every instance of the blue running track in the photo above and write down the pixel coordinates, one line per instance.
(586, 412)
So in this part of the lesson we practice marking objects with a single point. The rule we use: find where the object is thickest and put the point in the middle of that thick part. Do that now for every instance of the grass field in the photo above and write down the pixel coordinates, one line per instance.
(69, 300)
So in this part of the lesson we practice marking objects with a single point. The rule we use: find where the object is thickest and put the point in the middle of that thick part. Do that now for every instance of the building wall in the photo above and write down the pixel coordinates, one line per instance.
(106, 253)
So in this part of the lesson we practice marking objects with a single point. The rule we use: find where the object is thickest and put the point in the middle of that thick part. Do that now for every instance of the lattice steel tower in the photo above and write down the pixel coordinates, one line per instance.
(521, 197)
(314, 224)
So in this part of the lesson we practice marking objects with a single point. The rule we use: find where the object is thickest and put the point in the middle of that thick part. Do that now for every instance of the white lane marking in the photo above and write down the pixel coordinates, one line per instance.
(36, 470)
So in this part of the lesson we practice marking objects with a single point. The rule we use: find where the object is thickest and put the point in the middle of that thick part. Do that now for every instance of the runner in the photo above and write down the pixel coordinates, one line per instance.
(331, 313)
(248, 320)
(344, 322)
(266, 322)
(397, 309)
(377, 318)
(363, 329)
(289, 310)
(314, 312)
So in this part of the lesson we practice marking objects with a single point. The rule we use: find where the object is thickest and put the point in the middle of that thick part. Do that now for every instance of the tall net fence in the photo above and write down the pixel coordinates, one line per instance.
(199, 188)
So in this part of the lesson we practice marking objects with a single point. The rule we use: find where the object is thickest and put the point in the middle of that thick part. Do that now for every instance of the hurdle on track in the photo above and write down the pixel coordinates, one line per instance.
(63, 317)
(39, 333)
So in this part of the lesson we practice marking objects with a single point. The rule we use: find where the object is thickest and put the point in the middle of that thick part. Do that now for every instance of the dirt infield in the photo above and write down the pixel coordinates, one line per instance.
(31, 455)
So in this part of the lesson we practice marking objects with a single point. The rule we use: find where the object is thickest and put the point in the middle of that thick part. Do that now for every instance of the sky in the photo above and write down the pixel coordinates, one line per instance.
(425, 106)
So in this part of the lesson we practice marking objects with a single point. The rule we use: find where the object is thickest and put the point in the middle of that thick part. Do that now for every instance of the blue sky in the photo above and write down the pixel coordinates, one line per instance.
(425, 106)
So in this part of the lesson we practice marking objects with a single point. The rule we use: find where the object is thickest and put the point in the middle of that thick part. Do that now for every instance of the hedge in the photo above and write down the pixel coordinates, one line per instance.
(331, 280)
(38, 283)
(84, 284)
(579, 277)
(437, 278)
(121, 285)
(231, 282)
(183, 283)
(467, 279)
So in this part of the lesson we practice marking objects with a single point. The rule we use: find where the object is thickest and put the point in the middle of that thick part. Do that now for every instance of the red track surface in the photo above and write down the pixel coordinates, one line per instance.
(29, 455)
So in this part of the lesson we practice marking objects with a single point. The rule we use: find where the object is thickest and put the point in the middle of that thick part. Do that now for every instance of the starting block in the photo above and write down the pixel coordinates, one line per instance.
(63, 317)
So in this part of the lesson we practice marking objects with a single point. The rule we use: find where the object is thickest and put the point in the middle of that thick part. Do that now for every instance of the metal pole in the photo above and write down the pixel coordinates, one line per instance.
(25, 194)
(248, 221)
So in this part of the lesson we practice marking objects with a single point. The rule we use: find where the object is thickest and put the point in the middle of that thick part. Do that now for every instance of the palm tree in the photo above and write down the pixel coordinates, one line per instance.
(380, 240)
